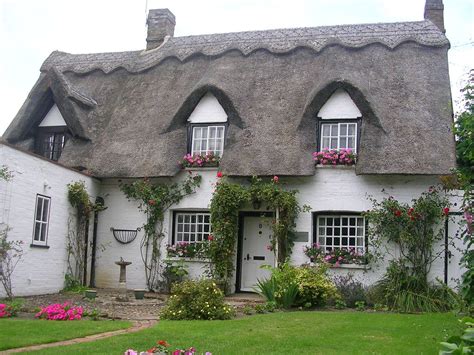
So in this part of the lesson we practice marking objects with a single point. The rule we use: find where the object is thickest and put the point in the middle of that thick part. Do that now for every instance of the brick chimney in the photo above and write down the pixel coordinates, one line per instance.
(160, 24)
(434, 11)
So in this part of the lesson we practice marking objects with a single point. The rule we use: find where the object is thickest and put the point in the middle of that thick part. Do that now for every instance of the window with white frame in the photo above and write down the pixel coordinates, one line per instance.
(192, 227)
(40, 228)
(206, 139)
(341, 232)
(339, 136)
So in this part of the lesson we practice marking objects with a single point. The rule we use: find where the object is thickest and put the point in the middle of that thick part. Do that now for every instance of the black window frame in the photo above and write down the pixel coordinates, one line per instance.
(191, 126)
(317, 214)
(174, 224)
(43, 133)
(35, 242)
(320, 121)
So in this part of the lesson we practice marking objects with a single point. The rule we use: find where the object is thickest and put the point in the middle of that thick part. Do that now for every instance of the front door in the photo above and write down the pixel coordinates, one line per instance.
(256, 251)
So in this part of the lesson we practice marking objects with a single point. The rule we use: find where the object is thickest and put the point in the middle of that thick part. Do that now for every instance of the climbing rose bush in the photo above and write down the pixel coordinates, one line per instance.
(335, 157)
(57, 311)
(200, 160)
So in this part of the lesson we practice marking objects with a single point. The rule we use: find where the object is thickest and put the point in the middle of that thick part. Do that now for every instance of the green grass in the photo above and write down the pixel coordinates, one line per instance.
(15, 333)
(290, 333)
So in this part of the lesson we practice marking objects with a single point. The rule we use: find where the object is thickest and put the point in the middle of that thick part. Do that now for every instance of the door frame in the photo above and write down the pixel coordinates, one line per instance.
(240, 244)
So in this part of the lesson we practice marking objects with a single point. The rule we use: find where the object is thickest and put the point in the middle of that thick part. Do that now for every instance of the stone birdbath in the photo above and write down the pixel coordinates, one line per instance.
(123, 279)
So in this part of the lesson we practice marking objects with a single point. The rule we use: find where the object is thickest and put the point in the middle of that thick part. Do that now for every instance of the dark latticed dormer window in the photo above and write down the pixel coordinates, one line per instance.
(339, 123)
(207, 127)
(52, 134)
(50, 142)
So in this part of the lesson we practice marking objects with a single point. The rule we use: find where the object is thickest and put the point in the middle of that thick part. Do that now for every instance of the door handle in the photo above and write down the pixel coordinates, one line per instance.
(248, 257)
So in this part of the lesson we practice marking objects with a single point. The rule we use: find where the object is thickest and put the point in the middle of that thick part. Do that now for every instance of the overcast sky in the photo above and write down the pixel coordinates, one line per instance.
(31, 29)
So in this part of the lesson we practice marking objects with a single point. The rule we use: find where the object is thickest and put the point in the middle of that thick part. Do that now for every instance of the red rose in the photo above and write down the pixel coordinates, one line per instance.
(151, 202)
(446, 211)
(210, 237)
(219, 174)
(275, 179)
(398, 213)
(410, 211)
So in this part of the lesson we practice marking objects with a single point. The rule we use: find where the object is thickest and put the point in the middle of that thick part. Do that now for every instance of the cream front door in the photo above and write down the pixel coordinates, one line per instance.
(257, 237)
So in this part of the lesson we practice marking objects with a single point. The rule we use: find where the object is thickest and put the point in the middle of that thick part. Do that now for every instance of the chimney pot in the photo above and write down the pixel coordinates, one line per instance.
(434, 11)
(160, 24)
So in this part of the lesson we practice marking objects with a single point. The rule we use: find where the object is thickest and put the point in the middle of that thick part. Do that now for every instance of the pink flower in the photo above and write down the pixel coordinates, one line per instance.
(130, 352)
(276, 179)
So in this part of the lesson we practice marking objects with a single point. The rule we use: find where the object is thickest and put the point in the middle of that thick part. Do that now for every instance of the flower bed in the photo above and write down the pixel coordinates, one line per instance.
(162, 347)
(189, 250)
(5, 311)
(58, 311)
(335, 157)
(200, 160)
(335, 257)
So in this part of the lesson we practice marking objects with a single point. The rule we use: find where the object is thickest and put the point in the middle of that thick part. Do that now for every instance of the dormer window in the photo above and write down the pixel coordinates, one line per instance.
(339, 123)
(207, 127)
(52, 135)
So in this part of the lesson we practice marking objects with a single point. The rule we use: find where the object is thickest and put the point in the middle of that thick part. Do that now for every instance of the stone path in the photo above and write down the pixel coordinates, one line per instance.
(137, 326)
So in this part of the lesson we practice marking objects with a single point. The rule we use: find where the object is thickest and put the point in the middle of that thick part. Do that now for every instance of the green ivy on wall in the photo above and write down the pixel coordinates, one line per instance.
(226, 202)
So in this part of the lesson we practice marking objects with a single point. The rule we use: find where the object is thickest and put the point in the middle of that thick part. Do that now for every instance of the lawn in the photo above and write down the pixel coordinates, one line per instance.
(15, 333)
(290, 333)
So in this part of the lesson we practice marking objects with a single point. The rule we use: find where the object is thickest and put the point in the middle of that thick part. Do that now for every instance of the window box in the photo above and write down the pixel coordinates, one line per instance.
(200, 160)
(334, 157)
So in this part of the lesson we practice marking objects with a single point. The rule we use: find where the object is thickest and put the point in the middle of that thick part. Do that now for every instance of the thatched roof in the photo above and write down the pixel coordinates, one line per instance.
(128, 111)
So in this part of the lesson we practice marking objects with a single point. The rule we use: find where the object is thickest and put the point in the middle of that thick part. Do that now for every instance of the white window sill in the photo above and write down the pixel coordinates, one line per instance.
(330, 166)
(188, 260)
(202, 168)
(350, 266)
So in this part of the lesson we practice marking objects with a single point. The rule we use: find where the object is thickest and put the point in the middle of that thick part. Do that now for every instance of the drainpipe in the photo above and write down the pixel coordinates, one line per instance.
(86, 242)
(277, 218)
(98, 200)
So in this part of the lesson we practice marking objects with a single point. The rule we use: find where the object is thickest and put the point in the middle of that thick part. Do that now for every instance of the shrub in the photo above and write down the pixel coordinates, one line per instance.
(260, 308)
(460, 344)
(407, 293)
(201, 299)
(314, 285)
(360, 305)
(350, 289)
(58, 311)
(247, 310)
(340, 304)
(289, 286)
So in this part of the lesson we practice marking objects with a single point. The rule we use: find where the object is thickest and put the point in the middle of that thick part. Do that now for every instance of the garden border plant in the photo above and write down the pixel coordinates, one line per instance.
(228, 199)
(154, 200)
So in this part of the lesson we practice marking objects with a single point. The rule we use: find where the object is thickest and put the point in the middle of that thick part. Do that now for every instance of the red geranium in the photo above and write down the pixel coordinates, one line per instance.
(219, 174)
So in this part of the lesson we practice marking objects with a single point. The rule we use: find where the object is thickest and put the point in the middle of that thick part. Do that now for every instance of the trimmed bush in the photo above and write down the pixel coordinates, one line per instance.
(200, 299)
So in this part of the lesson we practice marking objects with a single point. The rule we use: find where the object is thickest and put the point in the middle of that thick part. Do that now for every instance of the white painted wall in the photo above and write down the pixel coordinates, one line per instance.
(53, 118)
(41, 270)
(330, 189)
(208, 110)
(339, 105)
